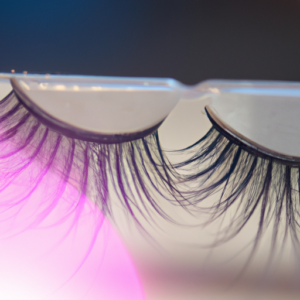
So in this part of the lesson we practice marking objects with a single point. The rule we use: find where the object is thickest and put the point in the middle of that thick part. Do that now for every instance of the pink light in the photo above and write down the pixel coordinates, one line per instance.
(58, 261)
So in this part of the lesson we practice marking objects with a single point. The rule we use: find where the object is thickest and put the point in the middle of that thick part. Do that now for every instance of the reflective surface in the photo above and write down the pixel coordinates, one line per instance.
(101, 105)
(264, 115)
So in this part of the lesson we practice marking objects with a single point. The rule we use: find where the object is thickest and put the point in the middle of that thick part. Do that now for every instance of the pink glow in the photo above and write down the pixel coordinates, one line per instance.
(45, 260)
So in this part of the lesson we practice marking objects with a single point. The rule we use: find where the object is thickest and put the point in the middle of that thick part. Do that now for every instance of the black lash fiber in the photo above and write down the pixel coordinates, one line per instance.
(137, 172)
(247, 184)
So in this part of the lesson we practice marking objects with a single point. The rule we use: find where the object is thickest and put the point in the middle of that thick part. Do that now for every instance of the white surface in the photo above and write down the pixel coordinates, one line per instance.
(104, 105)
(265, 113)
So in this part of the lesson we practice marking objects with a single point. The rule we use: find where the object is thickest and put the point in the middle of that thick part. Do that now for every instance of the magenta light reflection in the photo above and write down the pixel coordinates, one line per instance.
(78, 257)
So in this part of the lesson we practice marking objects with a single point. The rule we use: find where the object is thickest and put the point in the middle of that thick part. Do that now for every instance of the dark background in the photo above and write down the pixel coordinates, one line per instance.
(186, 40)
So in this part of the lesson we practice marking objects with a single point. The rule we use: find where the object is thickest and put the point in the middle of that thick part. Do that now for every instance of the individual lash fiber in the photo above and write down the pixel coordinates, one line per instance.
(138, 171)
(247, 183)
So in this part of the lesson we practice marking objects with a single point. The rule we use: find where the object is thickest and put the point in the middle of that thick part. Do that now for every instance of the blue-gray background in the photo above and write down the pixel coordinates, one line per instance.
(187, 40)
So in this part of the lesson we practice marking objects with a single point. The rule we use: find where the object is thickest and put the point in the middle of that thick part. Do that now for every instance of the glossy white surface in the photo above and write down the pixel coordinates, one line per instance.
(103, 104)
(265, 114)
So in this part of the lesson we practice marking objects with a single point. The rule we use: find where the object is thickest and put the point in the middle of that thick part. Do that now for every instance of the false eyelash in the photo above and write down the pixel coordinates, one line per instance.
(246, 183)
(138, 171)
(141, 175)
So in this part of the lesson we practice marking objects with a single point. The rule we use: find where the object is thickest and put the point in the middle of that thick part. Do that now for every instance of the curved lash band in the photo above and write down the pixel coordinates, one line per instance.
(247, 144)
(77, 133)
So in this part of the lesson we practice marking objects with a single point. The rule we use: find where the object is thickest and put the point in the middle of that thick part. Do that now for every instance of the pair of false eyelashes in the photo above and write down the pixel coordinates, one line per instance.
(141, 175)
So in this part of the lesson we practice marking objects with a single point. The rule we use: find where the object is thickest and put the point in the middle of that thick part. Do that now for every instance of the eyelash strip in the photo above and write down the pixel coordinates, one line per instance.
(247, 183)
(138, 171)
